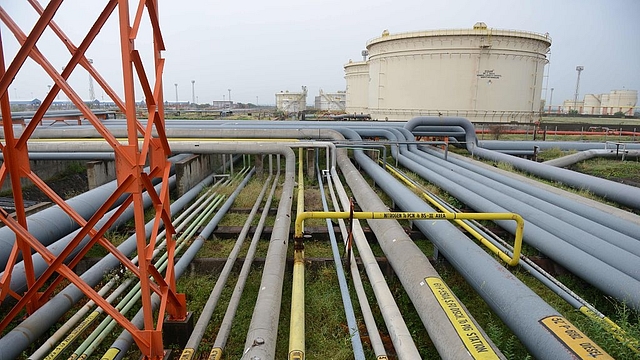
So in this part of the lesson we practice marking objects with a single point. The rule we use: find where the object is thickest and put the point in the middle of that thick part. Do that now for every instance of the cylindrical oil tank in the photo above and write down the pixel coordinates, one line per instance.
(356, 74)
(592, 104)
(623, 101)
(481, 73)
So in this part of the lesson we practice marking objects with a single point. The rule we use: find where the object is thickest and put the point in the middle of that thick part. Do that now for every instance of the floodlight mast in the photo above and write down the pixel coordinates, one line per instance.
(130, 159)
(575, 98)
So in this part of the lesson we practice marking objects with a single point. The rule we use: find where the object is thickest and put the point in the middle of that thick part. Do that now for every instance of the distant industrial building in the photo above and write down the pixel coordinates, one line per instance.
(624, 101)
(332, 102)
(481, 73)
(292, 102)
(222, 104)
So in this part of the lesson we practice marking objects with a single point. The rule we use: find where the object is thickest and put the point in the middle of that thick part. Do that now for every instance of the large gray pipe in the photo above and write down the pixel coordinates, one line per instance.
(412, 271)
(28, 331)
(620, 193)
(589, 154)
(614, 218)
(481, 271)
(18, 279)
(592, 269)
(613, 247)
(124, 341)
(53, 223)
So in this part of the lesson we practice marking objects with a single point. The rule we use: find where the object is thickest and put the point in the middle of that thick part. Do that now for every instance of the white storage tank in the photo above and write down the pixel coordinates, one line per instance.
(292, 102)
(356, 74)
(481, 73)
(592, 104)
(333, 102)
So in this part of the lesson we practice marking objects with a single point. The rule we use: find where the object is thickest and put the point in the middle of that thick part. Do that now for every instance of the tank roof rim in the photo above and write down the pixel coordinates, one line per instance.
(462, 32)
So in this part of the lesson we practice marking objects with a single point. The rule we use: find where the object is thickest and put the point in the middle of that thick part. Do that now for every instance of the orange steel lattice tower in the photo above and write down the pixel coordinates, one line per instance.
(140, 148)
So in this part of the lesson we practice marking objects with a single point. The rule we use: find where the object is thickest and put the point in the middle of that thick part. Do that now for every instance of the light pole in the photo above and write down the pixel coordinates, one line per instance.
(575, 99)
(256, 101)
(230, 102)
(176, 85)
(193, 91)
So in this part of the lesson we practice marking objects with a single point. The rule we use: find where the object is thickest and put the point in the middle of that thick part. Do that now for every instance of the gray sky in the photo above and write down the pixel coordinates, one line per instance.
(257, 48)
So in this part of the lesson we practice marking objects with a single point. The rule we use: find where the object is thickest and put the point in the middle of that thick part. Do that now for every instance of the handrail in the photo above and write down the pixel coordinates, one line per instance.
(512, 261)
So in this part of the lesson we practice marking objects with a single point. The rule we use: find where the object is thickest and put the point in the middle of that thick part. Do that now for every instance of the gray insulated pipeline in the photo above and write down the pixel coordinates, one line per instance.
(51, 224)
(527, 146)
(617, 249)
(620, 193)
(589, 154)
(413, 271)
(18, 279)
(124, 341)
(497, 287)
(29, 330)
(618, 283)
(566, 206)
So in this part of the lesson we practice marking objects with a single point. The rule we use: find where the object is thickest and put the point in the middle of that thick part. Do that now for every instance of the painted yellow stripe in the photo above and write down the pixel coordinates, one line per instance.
(613, 328)
(574, 339)
(72, 336)
(111, 354)
(469, 333)
(296, 355)
(215, 354)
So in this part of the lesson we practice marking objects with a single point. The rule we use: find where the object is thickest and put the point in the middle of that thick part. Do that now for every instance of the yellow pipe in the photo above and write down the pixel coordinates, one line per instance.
(462, 224)
(297, 331)
(512, 261)
(613, 328)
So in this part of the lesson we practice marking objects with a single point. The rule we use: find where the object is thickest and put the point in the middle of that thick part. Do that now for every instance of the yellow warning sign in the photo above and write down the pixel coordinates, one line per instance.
(573, 338)
(471, 336)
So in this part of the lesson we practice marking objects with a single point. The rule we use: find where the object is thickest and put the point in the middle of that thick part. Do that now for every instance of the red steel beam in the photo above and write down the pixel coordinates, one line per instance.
(130, 158)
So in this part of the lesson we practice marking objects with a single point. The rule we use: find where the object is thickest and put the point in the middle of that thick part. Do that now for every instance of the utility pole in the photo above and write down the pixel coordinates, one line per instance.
(575, 98)
(230, 102)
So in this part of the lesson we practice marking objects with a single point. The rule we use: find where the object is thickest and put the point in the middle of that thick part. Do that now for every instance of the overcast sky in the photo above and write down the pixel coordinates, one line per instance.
(257, 48)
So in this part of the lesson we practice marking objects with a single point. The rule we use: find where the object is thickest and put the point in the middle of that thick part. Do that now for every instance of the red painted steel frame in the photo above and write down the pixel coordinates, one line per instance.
(130, 159)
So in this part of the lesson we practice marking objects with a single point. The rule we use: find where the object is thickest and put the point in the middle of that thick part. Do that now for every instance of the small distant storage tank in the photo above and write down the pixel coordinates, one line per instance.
(334, 102)
(592, 104)
(356, 74)
(480, 73)
(292, 102)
